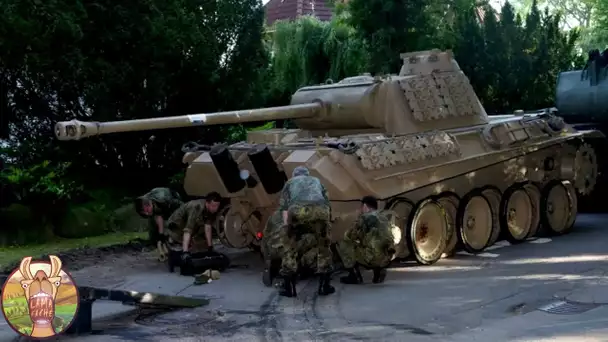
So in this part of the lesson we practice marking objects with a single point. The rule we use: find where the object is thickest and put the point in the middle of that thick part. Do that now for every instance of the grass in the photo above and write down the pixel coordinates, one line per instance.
(14, 254)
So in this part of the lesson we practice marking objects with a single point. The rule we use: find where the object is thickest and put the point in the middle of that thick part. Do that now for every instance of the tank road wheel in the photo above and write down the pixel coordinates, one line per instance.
(516, 214)
(558, 207)
(585, 164)
(493, 195)
(427, 236)
(449, 202)
(474, 221)
(534, 192)
(232, 232)
(219, 226)
(398, 214)
(574, 204)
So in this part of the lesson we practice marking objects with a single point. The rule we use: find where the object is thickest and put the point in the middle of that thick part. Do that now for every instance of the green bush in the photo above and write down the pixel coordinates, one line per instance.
(19, 226)
(126, 219)
(41, 181)
(80, 221)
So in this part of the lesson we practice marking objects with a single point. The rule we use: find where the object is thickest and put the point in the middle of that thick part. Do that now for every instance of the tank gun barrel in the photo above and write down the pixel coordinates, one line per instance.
(76, 130)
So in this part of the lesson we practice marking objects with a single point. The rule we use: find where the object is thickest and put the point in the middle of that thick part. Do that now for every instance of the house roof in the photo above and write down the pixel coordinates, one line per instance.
(292, 9)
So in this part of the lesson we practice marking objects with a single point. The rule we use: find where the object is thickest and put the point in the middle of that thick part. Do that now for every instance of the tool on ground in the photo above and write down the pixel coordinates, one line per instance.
(163, 251)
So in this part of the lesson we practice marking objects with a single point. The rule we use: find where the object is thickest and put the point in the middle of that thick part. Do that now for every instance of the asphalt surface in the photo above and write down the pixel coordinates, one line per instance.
(543, 290)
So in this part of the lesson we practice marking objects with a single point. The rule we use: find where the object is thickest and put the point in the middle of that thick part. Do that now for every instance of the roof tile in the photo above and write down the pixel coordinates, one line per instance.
(288, 10)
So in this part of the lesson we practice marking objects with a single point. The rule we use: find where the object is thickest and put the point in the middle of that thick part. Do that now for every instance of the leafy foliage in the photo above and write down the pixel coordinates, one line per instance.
(513, 62)
(107, 60)
(597, 35)
(42, 182)
(390, 27)
(307, 51)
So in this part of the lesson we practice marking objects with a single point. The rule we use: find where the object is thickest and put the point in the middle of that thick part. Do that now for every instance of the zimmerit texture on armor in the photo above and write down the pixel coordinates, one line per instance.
(406, 149)
(369, 243)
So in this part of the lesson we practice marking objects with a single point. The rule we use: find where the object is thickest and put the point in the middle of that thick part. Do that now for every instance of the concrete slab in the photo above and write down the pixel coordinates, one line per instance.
(163, 283)
(108, 310)
(597, 294)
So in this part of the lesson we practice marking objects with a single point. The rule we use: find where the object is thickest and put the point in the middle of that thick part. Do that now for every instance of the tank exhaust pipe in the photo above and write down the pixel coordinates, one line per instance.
(271, 177)
(227, 168)
(76, 130)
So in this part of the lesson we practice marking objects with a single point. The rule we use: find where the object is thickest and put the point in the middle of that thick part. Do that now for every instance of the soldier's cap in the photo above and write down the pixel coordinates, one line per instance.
(300, 171)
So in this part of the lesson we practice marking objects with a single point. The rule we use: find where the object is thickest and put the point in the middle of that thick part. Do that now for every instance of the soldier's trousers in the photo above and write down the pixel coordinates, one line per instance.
(307, 219)
(352, 254)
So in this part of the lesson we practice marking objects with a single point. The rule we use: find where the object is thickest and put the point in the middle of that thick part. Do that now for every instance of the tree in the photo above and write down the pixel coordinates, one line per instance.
(597, 35)
(513, 63)
(114, 60)
(576, 14)
(390, 27)
(307, 51)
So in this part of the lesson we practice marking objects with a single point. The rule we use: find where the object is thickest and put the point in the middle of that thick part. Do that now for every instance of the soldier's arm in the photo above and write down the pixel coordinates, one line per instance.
(324, 193)
(354, 234)
(188, 229)
(284, 203)
(160, 223)
(208, 222)
(186, 241)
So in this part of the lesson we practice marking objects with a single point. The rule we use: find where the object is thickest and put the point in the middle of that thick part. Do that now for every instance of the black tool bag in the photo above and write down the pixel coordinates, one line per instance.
(198, 262)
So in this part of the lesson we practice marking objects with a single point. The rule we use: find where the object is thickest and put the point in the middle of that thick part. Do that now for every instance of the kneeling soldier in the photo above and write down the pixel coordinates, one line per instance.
(189, 227)
(369, 243)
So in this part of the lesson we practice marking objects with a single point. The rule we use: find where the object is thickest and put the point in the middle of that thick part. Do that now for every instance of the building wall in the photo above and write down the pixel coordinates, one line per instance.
(292, 9)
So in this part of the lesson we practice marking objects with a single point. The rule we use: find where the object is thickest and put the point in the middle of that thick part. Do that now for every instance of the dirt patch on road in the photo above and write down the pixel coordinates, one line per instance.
(110, 266)
(105, 266)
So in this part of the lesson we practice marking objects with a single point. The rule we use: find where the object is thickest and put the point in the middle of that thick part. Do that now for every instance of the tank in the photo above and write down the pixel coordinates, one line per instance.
(582, 95)
(582, 100)
(449, 176)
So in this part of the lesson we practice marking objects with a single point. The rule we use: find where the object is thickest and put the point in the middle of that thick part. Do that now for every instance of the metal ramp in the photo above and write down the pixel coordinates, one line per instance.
(83, 322)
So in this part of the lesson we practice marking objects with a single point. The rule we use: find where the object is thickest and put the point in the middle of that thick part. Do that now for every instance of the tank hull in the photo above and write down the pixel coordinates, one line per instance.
(485, 172)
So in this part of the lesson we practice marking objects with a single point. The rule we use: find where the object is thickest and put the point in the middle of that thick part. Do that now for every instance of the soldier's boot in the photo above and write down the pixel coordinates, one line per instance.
(354, 277)
(379, 275)
(289, 287)
(325, 287)
(267, 277)
(270, 274)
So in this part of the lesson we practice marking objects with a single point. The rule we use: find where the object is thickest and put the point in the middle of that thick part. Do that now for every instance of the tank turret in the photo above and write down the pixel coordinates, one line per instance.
(416, 100)
(420, 141)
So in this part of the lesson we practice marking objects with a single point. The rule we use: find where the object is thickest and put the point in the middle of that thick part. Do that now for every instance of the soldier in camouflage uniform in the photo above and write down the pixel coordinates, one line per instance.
(189, 227)
(272, 248)
(157, 206)
(369, 244)
(305, 209)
